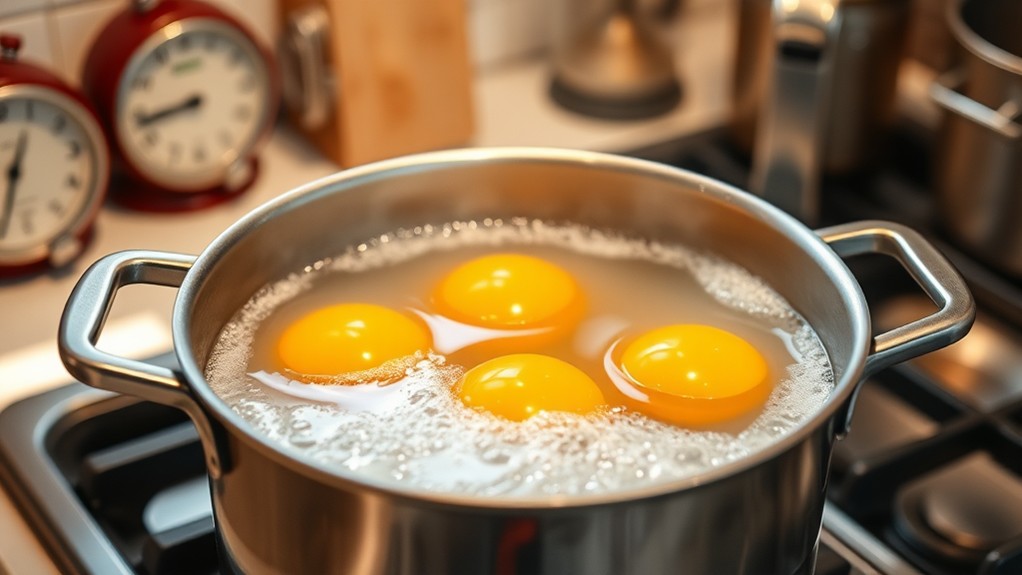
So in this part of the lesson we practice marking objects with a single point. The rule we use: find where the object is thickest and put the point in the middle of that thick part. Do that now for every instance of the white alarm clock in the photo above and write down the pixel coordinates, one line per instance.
(53, 166)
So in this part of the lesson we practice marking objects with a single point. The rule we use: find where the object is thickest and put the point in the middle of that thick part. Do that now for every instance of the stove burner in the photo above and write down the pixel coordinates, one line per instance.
(960, 513)
(110, 484)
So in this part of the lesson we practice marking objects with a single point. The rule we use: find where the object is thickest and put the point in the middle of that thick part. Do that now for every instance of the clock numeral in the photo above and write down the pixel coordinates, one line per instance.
(74, 149)
(141, 83)
(56, 207)
(160, 55)
(185, 42)
(199, 154)
(73, 181)
(149, 139)
(28, 222)
(175, 152)
(225, 138)
(242, 112)
(59, 122)
(30, 110)
(236, 57)
(247, 84)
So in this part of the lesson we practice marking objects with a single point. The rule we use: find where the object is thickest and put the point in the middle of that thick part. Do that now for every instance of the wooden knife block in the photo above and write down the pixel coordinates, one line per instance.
(402, 78)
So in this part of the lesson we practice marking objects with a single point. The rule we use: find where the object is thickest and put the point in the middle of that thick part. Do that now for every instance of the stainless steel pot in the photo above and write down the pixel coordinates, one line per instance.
(979, 158)
(813, 91)
(279, 512)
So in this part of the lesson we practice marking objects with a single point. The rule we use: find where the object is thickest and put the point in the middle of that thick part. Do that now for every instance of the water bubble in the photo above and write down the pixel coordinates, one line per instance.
(496, 456)
(689, 455)
(302, 440)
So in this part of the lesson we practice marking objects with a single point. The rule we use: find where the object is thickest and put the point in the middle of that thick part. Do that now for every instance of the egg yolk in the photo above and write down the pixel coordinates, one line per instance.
(519, 386)
(695, 374)
(349, 337)
(508, 291)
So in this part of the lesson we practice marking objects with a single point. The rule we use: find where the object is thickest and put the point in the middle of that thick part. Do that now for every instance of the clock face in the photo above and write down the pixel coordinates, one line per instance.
(192, 102)
(52, 169)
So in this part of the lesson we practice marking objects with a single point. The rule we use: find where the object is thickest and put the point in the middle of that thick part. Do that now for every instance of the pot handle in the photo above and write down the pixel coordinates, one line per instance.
(931, 270)
(80, 326)
(944, 91)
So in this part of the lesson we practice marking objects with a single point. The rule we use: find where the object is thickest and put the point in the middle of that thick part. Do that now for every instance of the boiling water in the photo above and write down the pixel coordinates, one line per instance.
(418, 432)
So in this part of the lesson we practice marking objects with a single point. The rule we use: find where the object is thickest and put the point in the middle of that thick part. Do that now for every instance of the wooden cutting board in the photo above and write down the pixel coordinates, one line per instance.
(402, 77)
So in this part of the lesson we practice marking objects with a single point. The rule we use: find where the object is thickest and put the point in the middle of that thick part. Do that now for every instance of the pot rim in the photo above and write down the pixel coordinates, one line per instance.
(978, 45)
(338, 182)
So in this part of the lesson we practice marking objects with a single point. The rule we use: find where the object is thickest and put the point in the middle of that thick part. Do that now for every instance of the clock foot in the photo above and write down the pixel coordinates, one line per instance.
(143, 198)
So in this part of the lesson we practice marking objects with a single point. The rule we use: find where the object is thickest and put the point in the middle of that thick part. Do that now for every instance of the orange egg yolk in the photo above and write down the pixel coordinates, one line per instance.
(508, 291)
(695, 374)
(349, 337)
(519, 386)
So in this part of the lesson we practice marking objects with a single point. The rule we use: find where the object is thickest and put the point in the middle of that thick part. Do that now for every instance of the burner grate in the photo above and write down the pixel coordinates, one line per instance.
(111, 484)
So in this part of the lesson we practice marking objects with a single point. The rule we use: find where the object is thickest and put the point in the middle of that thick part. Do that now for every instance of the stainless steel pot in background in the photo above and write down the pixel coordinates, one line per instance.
(814, 86)
(979, 158)
(279, 511)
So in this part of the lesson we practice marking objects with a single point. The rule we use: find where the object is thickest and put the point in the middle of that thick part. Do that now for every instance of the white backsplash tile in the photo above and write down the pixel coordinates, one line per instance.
(499, 30)
(503, 30)
(75, 24)
(77, 27)
(12, 7)
(36, 44)
(259, 16)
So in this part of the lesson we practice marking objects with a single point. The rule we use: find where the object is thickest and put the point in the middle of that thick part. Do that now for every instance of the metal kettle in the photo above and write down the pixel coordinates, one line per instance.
(814, 86)
(613, 64)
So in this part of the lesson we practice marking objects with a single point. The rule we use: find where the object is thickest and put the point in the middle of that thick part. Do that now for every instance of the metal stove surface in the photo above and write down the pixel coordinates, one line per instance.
(928, 481)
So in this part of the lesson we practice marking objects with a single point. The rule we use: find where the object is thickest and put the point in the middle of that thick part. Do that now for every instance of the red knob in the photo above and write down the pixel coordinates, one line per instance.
(9, 45)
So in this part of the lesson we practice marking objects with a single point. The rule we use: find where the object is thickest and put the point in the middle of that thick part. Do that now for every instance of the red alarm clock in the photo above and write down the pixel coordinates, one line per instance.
(53, 166)
(187, 96)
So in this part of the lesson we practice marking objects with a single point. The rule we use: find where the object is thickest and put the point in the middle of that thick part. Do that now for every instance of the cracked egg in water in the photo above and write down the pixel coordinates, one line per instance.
(521, 359)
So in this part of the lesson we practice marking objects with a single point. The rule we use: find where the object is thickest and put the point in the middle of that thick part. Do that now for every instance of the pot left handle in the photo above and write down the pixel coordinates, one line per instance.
(82, 322)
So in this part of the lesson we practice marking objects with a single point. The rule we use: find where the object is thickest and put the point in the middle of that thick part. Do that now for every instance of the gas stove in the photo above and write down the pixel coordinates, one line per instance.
(928, 481)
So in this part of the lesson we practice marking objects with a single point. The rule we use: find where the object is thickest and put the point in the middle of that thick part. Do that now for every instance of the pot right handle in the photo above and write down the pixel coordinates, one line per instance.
(930, 269)
(944, 91)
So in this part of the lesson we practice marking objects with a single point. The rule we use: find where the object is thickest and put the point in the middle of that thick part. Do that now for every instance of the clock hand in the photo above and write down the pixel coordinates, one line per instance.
(189, 104)
(13, 175)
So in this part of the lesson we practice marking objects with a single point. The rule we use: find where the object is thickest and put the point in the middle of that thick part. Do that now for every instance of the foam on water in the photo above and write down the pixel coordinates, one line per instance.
(417, 432)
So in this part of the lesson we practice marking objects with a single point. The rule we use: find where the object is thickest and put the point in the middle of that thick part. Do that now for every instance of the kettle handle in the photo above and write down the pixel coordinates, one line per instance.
(82, 322)
(930, 269)
(789, 141)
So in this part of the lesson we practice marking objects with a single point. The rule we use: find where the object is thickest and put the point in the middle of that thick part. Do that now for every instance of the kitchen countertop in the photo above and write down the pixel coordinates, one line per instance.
(512, 109)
